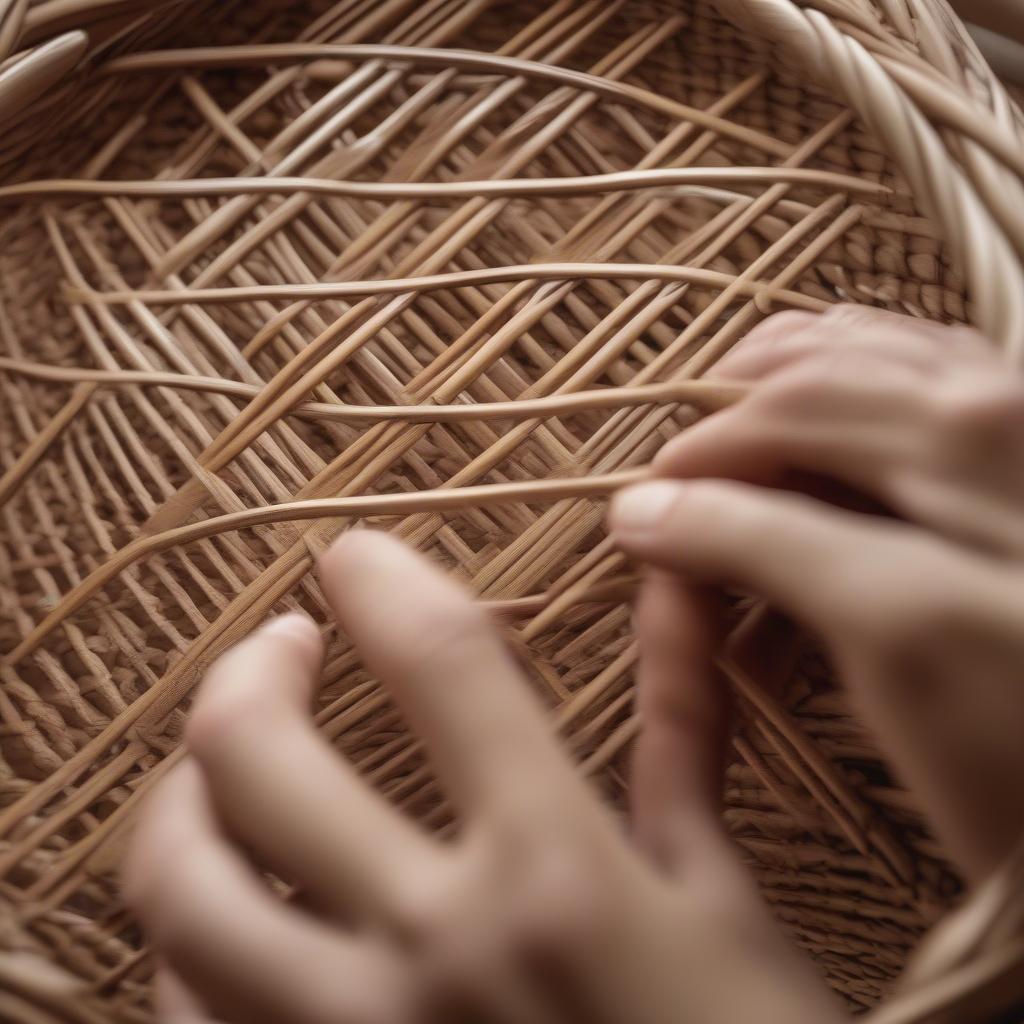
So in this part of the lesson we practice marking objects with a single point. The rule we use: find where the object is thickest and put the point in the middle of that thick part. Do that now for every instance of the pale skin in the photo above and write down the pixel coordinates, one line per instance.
(543, 910)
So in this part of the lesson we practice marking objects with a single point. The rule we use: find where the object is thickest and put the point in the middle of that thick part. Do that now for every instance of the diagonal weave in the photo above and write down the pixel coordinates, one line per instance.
(456, 268)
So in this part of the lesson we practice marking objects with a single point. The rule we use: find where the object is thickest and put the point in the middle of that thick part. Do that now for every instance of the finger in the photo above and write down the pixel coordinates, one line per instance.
(940, 454)
(786, 339)
(280, 787)
(810, 560)
(441, 658)
(905, 617)
(854, 429)
(679, 759)
(174, 1003)
(766, 345)
(939, 682)
(244, 954)
(683, 705)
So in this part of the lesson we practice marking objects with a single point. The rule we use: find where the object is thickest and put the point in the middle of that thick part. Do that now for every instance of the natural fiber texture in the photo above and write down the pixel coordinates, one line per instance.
(453, 267)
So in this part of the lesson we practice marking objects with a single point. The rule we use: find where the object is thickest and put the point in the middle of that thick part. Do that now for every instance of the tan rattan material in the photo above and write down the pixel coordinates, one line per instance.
(453, 267)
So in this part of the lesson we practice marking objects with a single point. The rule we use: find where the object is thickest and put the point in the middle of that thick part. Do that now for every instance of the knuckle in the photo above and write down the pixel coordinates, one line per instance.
(781, 325)
(445, 976)
(458, 620)
(546, 935)
(722, 509)
(864, 584)
(385, 997)
(811, 388)
(832, 379)
(969, 340)
(709, 495)
(798, 389)
(847, 313)
(867, 325)
(210, 722)
(988, 407)
(152, 887)
(169, 926)
(916, 617)
(444, 627)
(533, 912)
(900, 612)
(894, 620)
(561, 900)
(446, 951)
(421, 911)
(562, 909)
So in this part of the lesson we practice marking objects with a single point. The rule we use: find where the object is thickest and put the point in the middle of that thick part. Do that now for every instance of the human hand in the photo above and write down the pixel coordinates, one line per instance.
(922, 611)
(539, 912)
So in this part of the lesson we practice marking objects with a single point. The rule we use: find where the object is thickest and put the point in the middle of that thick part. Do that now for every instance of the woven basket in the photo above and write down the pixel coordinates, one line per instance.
(312, 254)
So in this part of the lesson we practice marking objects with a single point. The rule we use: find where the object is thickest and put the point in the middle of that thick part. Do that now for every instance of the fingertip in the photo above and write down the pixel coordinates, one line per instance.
(345, 543)
(359, 551)
(636, 512)
(366, 569)
(331, 562)
(275, 671)
(731, 444)
(358, 542)
(298, 629)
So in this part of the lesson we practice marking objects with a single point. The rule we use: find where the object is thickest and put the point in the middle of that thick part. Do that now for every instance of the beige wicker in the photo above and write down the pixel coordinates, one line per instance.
(456, 267)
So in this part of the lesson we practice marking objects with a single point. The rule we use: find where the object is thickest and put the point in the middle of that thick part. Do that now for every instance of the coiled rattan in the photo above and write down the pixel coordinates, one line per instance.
(456, 267)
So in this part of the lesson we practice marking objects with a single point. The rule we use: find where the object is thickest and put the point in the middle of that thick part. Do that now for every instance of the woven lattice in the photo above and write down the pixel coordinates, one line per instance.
(319, 255)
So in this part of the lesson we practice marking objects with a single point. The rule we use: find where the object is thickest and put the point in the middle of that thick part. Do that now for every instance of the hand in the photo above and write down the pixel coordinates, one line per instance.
(539, 912)
(923, 609)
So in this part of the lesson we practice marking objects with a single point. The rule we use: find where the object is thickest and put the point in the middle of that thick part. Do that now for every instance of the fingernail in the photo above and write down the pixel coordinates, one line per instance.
(300, 631)
(641, 508)
(297, 625)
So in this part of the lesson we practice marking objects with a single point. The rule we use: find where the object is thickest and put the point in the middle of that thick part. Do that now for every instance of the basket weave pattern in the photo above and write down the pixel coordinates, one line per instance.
(453, 268)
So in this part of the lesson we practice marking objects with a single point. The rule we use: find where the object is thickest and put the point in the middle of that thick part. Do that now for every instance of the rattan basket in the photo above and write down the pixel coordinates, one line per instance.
(269, 269)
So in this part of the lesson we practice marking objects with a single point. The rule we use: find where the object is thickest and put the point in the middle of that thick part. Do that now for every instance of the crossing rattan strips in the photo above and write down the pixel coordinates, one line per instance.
(457, 268)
